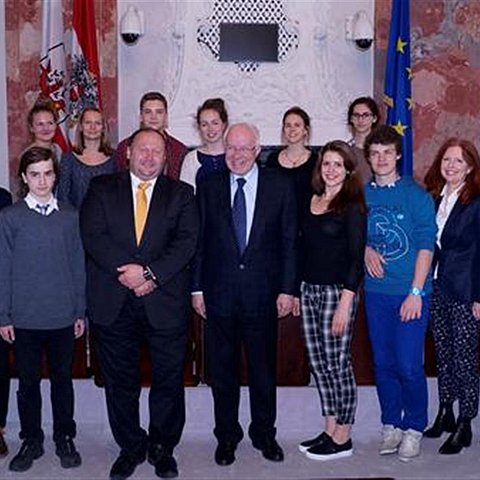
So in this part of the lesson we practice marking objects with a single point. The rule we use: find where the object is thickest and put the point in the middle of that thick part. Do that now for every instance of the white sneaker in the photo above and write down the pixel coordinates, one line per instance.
(410, 446)
(391, 439)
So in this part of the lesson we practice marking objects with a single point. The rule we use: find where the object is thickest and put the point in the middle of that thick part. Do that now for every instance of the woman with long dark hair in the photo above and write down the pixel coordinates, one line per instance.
(454, 182)
(295, 158)
(333, 226)
(212, 121)
(362, 117)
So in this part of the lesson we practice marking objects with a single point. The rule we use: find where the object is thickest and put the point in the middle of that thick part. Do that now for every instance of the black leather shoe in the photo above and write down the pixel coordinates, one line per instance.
(225, 453)
(163, 461)
(125, 465)
(270, 449)
(3, 445)
(461, 437)
(444, 422)
(66, 451)
(23, 460)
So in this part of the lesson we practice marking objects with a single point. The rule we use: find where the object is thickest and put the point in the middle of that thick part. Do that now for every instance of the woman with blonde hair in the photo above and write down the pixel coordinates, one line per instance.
(91, 156)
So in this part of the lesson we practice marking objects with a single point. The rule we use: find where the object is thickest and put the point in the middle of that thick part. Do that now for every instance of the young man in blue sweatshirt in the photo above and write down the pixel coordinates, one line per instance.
(42, 304)
(401, 236)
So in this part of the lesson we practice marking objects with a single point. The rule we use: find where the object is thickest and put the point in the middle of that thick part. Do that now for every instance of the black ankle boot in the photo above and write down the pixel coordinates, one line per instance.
(461, 437)
(444, 422)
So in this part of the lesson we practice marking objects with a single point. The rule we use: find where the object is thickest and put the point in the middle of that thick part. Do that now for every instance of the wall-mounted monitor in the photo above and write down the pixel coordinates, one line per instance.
(254, 42)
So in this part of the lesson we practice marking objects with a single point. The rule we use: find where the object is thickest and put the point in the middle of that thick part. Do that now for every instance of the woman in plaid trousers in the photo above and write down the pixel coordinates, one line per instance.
(333, 227)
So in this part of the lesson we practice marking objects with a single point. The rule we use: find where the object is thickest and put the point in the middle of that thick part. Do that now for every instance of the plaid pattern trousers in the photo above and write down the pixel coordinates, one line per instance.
(329, 355)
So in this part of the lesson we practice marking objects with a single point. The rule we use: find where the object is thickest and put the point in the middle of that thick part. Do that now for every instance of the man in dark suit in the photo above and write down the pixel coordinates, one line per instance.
(140, 231)
(244, 279)
(5, 201)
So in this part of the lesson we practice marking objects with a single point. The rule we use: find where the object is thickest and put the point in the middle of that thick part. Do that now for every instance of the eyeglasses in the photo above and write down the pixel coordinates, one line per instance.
(364, 116)
(242, 150)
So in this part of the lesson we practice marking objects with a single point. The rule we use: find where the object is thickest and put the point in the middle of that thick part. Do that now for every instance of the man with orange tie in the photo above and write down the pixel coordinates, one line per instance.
(140, 231)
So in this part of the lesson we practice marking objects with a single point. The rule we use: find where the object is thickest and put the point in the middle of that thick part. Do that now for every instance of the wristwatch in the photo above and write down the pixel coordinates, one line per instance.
(418, 292)
(148, 274)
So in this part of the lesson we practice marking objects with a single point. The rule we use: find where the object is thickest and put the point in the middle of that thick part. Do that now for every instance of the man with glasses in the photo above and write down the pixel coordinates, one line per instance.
(400, 242)
(244, 279)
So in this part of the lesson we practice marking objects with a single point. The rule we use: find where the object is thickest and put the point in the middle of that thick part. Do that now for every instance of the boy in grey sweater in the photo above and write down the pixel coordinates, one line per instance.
(42, 303)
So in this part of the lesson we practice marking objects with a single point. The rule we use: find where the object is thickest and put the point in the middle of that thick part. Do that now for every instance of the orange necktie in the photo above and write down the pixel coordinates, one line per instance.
(141, 210)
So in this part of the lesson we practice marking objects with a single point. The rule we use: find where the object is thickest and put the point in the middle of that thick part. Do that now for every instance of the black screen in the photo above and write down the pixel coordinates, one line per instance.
(255, 42)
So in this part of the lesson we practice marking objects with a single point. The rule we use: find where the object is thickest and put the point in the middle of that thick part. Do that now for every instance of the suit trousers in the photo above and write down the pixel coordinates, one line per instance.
(28, 356)
(4, 382)
(224, 336)
(119, 347)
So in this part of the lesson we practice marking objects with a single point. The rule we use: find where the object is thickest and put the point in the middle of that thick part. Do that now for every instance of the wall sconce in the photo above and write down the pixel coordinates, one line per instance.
(359, 29)
(132, 25)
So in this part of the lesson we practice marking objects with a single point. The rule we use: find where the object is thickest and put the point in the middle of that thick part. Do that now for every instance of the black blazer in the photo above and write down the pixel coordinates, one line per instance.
(167, 246)
(249, 283)
(5, 198)
(459, 258)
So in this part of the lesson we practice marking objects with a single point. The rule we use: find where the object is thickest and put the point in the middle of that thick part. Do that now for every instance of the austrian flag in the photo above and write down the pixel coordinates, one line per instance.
(52, 67)
(85, 76)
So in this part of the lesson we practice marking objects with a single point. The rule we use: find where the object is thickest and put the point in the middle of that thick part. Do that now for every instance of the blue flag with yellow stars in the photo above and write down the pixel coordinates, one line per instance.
(398, 81)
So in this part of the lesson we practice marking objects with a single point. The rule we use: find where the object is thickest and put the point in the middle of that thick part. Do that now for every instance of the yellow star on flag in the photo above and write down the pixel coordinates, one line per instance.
(400, 128)
(400, 45)
(409, 72)
(410, 103)
(388, 100)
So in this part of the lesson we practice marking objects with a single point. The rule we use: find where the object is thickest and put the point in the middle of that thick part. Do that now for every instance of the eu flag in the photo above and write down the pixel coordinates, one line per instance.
(398, 85)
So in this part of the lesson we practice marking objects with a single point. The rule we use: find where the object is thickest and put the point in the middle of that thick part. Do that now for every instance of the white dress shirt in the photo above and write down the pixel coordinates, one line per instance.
(444, 210)
(32, 203)
(148, 191)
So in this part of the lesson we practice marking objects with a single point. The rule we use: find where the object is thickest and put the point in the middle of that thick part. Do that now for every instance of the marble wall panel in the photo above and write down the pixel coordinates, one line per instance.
(446, 72)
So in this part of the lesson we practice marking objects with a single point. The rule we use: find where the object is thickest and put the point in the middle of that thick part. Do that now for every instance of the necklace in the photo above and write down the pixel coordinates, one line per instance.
(295, 161)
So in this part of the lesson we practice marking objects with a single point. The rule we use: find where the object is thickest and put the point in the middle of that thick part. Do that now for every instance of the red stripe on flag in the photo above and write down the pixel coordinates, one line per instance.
(83, 22)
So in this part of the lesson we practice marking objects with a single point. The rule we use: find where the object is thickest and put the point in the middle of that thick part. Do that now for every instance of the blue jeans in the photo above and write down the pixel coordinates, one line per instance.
(398, 353)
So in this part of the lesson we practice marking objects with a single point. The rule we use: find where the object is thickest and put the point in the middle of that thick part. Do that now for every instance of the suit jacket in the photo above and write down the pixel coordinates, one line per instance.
(250, 283)
(5, 198)
(167, 246)
(459, 258)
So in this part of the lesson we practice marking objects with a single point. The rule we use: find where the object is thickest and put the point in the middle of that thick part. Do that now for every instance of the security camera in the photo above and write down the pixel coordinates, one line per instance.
(132, 26)
(130, 38)
(360, 30)
(363, 43)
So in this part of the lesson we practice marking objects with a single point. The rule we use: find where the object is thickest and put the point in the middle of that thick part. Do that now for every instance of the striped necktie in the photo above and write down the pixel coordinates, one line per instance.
(43, 209)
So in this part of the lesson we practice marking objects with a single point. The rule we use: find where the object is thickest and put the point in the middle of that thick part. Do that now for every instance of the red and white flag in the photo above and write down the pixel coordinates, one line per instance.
(85, 76)
(52, 66)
